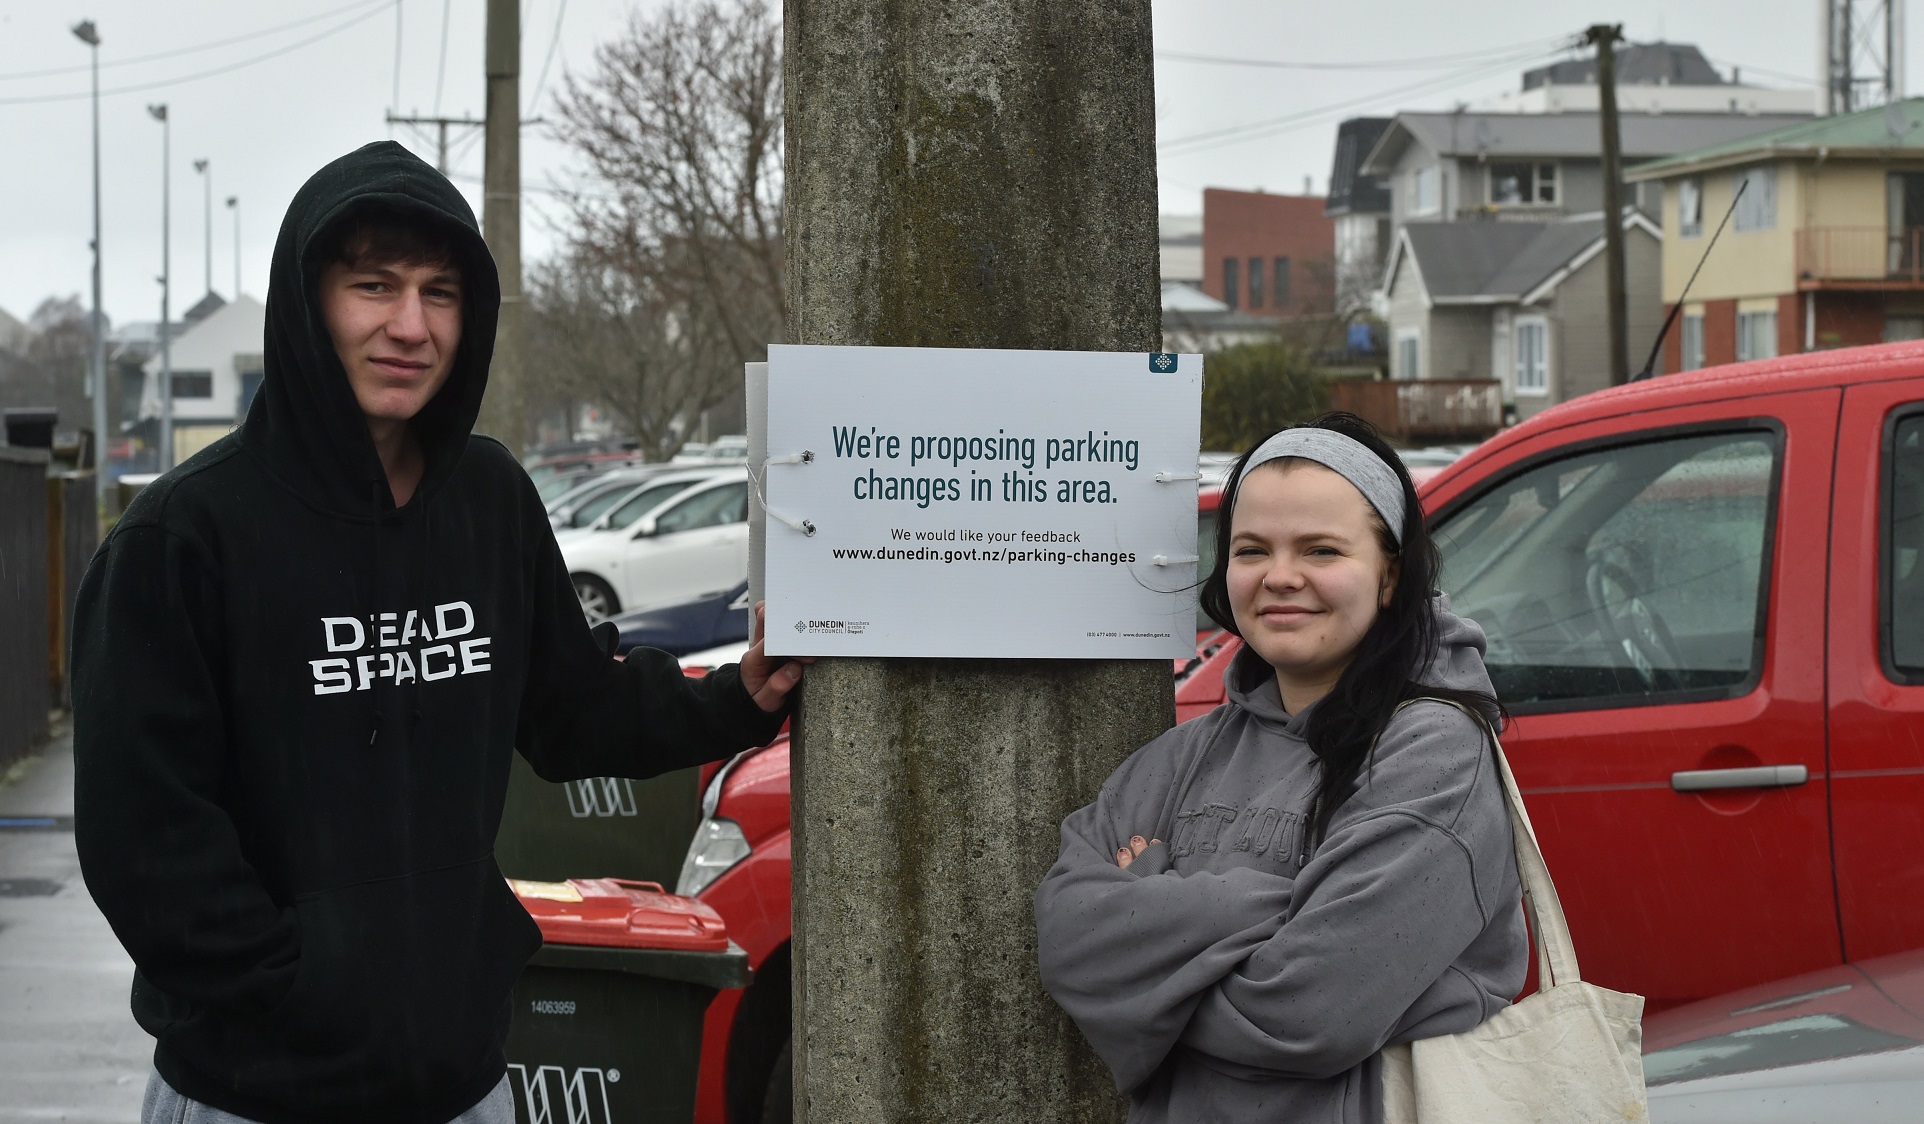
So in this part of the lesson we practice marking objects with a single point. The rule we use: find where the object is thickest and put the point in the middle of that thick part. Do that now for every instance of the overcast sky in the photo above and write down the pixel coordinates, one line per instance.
(266, 125)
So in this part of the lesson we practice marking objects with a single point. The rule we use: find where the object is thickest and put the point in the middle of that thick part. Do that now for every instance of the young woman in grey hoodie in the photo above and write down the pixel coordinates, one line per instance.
(1263, 898)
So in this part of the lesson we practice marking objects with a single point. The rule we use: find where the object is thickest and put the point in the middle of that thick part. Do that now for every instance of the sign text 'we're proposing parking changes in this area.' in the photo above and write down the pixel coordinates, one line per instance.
(977, 503)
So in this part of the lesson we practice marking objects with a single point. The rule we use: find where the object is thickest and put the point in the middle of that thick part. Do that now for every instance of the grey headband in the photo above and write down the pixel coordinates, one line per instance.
(1345, 456)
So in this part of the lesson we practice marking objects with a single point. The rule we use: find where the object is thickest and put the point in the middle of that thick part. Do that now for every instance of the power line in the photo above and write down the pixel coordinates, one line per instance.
(1235, 134)
(229, 68)
(1432, 62)
(441, 72)
(554, 40)
(178, 51)
(1794, 79)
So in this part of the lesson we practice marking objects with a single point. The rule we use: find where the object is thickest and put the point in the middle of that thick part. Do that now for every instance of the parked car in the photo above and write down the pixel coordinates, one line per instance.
(694, 625)
(545, 467)
(1704, 596)
(626, 500)
(695, 543)
(1841, 1044)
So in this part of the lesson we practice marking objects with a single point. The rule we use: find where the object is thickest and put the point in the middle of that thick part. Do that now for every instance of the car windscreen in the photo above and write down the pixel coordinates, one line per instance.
(638, 504)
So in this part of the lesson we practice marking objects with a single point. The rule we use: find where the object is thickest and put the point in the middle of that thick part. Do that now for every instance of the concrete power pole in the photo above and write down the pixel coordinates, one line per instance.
(958, 175)
(1605, 38)
(501, 411)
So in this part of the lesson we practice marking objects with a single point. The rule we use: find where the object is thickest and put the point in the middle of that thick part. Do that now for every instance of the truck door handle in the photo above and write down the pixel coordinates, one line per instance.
(1760, 776)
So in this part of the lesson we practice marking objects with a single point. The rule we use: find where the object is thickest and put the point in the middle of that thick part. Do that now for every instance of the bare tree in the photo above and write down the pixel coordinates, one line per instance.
(675, 246)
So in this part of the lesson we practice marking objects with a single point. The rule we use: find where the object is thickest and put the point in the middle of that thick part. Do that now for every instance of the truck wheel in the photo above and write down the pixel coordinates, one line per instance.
(598, 601)
(778, 1106)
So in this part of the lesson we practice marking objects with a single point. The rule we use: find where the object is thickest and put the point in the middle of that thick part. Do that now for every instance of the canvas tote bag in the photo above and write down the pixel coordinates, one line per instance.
(1569, 1054)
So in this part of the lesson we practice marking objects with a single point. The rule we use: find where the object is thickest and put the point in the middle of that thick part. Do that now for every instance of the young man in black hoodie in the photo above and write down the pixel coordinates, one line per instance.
(301, 662)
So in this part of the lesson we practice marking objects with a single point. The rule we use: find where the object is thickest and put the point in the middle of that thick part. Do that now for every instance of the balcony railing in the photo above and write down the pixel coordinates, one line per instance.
(1425, 409)
(1861, 253)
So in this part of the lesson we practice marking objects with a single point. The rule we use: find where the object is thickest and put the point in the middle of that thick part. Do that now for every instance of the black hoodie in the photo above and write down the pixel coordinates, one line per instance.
(294, 706)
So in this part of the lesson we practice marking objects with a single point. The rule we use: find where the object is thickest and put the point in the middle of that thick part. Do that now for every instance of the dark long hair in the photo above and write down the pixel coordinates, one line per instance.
(1395, 654)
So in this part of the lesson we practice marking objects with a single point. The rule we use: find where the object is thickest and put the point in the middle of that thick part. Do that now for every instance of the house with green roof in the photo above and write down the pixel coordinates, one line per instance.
(1824, 247)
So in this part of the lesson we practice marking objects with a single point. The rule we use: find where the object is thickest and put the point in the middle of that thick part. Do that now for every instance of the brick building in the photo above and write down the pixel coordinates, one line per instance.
(1269, 255)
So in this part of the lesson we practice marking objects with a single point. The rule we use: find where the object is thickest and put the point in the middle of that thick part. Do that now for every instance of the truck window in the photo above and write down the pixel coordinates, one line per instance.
(1903, 561)
(1620, 576)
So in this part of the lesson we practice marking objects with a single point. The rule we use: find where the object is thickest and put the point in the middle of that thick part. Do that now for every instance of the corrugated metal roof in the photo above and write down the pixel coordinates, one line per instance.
(1645, 136)
(1899, 125)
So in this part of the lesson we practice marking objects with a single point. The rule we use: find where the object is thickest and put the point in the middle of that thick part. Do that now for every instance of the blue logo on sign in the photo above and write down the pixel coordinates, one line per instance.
(1162, 362)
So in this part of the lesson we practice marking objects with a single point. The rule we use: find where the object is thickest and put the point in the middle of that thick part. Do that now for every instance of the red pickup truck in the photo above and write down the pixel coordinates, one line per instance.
(1704, 596)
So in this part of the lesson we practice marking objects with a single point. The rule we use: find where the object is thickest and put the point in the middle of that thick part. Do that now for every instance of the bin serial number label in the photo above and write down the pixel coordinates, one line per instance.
(554, 1006)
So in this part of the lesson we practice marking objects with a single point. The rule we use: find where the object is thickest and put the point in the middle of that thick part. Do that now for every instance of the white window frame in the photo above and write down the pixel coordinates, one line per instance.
(1408, 369)
(1538, 381)
(1690, 207)
(1432, 176)
(1541, 190)
(1690, 348)
(1745, 323)
(1757, 210)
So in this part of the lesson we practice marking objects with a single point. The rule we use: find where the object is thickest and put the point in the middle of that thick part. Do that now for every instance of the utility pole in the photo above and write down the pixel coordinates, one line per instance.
(955, 176)
(159, 113)
(501, 412)
(233, 204)
(87, 33)
(441, 126)
(207, 225)
(1605, 38)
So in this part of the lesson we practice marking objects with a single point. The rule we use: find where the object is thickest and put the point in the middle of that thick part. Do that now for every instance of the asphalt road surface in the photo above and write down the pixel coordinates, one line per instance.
(69, 1049)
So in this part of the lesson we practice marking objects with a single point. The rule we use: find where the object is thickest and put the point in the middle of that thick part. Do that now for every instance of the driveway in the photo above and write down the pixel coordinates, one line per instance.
(69, 1049)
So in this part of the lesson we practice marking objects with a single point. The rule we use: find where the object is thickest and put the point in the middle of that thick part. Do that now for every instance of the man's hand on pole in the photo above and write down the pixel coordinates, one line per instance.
(768, 680)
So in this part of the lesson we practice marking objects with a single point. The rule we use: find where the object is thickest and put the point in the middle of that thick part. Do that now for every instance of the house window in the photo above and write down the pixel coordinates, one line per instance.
(1255, 282)
(1512, 184)
(1425, 196)
(1232, 283)
(1757, 209)
(1693, 342)
(1279, 284)
(1532, 355)
(1690, 207)
(1408, 362)
(193, 384)
(1756, 335)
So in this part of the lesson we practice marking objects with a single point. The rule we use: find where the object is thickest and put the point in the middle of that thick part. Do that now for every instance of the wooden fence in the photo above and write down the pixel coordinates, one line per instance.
(1424, 409)
(48, 531)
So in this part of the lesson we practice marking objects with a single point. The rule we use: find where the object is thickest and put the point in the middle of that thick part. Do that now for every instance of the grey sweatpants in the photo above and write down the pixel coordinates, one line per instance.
(165, 1106)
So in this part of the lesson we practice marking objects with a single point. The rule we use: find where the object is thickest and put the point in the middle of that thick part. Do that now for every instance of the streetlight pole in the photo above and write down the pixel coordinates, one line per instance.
(97, 359)
(233, 204)
(166, 288)
(207, 221)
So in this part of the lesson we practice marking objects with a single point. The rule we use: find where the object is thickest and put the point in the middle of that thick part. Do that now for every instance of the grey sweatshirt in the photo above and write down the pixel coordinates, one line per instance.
(1226, 978)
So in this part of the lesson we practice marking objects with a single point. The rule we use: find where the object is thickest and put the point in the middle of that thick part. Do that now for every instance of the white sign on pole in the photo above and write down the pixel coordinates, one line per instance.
(977, 503)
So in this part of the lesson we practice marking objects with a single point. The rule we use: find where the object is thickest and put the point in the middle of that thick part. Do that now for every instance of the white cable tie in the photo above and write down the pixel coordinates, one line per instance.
(1165, 560)
(805, 526)
(1172, 477)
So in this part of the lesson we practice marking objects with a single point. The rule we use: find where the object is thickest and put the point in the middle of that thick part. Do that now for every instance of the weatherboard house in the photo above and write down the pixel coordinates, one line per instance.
(1521, 303)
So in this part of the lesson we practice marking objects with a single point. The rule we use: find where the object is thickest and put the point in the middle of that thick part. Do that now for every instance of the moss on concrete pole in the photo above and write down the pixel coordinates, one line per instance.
(970, 174)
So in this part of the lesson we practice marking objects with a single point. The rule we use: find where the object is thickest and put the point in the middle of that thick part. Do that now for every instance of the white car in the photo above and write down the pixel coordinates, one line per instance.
(695, 543)
(619, 508)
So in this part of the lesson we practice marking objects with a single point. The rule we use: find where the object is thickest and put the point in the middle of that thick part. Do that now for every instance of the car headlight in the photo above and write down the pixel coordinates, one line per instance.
(718, 845)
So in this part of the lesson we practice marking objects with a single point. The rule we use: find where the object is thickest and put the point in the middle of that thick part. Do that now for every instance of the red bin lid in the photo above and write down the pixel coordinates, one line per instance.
(617, 913)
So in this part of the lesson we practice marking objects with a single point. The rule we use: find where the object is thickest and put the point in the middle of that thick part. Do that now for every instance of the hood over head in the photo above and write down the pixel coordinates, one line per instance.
(1458, 665)
(305, 421)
